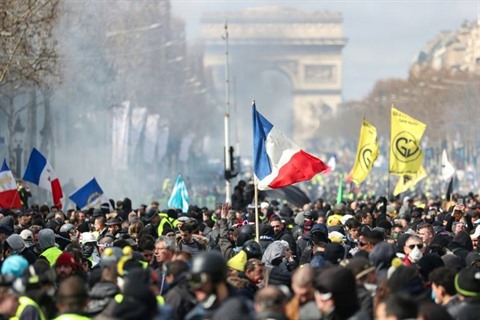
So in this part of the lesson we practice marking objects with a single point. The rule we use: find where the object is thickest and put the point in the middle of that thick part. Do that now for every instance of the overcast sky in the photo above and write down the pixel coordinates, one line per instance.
(383, 36)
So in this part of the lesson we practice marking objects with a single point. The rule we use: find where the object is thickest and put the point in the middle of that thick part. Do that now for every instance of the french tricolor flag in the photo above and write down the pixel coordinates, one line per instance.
(9, 197)
(41, 173)
(278, 162)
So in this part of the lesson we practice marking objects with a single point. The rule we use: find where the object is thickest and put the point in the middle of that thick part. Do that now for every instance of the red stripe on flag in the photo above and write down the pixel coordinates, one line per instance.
(10, 199)
(57, 193)
(301, 167)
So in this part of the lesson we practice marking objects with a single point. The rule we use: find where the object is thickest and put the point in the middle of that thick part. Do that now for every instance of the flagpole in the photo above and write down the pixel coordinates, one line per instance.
(389, 151)
(228, 187)
(257, 224)
(14, 198)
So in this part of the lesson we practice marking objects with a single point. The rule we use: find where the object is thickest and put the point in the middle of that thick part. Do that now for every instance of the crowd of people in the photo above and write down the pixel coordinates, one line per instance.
(377, 258)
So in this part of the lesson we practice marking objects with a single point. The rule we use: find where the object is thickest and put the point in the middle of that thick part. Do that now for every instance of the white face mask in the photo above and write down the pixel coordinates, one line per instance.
(371, 288)
(415, 255)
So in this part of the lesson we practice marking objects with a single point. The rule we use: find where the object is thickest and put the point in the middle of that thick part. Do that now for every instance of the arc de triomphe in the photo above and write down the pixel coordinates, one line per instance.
(305, 47)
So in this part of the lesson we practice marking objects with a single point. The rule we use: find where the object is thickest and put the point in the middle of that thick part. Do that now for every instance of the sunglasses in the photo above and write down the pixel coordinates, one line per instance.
(419, 246)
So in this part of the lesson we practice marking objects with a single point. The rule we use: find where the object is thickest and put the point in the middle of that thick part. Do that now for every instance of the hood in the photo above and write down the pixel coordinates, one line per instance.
(463, 240)
(100, 296)
(382, 255)
(275, 250)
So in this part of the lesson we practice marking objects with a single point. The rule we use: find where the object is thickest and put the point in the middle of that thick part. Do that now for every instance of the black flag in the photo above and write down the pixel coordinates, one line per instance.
(448, 196)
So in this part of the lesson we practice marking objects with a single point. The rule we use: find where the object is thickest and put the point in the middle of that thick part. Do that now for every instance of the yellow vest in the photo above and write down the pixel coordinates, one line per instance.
(166, 220)
(71, 316)
(51, 254)
(119, 298)
(24, 302)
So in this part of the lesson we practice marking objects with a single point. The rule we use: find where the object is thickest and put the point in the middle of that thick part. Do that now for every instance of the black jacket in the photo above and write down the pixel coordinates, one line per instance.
(179, 298)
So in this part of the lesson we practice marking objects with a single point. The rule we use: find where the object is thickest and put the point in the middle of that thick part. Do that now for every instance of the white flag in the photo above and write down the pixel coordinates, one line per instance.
(150, 137)
(120, 129)
(447, 168)
(137, 125)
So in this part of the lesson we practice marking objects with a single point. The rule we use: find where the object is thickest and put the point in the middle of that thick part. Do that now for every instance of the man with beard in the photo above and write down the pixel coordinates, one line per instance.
(23, 219)
(282, 233)
(65, 266)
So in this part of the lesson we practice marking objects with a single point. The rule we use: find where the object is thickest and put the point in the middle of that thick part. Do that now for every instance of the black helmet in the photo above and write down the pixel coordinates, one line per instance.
(208, 266)
(253, 249)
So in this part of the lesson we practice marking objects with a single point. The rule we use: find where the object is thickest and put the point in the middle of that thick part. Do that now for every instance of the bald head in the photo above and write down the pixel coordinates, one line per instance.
(303, 277)
(302, 284)
(270, 299)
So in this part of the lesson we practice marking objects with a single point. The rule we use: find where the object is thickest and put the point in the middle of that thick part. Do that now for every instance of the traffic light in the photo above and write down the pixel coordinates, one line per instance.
(232, 172)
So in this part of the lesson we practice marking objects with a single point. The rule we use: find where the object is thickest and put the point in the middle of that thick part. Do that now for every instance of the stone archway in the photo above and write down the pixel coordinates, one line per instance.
(304, 46)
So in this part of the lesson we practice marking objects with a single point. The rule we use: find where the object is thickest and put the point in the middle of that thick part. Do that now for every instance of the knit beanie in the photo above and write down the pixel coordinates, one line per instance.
(46, 239)
(66, 259)
(467, 282)
(238, 261)
(16, 243)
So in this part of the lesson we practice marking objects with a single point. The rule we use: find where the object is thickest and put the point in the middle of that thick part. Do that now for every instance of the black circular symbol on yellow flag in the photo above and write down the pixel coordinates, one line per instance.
(405, 147)
(366, 157)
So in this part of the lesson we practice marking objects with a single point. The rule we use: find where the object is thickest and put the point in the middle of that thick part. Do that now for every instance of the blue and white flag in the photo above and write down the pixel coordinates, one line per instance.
(179, 197)
(88, 196)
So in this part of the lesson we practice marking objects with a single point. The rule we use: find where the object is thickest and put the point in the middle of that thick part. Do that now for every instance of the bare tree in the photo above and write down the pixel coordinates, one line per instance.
(28, 56)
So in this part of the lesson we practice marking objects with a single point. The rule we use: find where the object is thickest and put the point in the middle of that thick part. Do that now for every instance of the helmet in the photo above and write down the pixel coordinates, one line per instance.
(67, 227)
(209, 264)
(242, 238)
(253, 249)
(86, 237)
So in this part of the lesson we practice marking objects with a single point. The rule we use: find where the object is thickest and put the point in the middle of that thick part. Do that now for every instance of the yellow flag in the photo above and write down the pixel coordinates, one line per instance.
(408, 181)
(367, 152)
(406, 157)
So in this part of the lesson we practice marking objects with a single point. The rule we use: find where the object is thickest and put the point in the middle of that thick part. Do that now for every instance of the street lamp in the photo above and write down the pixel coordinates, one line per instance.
(18, 131)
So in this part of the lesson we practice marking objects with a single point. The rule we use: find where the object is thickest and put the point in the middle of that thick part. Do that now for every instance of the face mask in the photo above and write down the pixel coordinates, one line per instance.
(433, 296)
(209, 301)
(307, 225)
(87, 251)
(120, 282)
(371, 288)
(415, 255)
(51, 291)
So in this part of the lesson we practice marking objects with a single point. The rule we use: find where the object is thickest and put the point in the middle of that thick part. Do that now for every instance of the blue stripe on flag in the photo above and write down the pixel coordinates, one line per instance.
(35, 166)
(261, 129)
(4, 166)
(179, 198)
